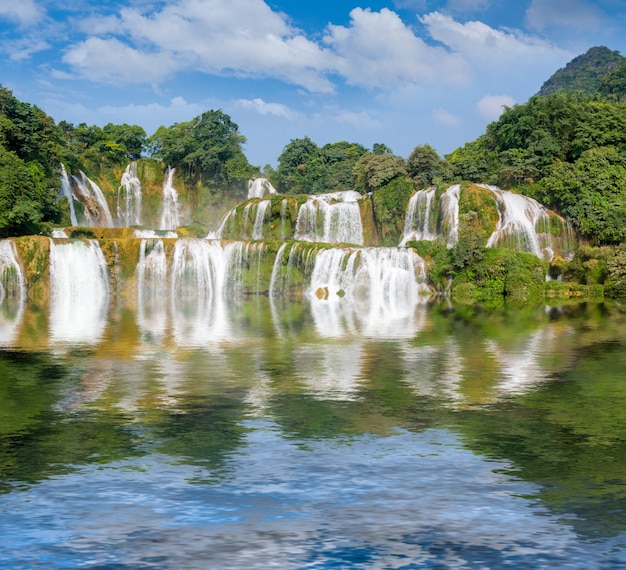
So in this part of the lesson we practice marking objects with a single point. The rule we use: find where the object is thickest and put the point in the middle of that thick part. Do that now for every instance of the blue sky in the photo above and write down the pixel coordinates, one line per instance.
(402, 72)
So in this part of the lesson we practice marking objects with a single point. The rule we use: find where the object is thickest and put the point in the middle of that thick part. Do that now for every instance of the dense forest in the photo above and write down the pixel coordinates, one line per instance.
(565, 147)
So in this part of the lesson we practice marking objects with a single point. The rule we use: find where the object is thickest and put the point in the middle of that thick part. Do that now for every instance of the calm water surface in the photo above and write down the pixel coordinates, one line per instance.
(300, 436)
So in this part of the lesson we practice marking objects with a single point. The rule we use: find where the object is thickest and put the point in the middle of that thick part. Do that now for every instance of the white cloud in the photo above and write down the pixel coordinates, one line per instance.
(577, 14)
(486, 47)
(22, 50)
(234, 37)
(359, 119)
(379, 50)
(25, 12)
(490, 107)
(442, 117)
(111, 61)
(263, 108)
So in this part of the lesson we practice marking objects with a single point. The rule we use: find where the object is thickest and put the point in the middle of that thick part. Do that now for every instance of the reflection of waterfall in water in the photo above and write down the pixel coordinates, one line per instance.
(205, 277)
(129, 198)
(151, 275)
(260, 187)
(66, 191)
(170, 214)
(378, 288)
(90, 195)
(12, 293)
(79, 291)
(331, 218)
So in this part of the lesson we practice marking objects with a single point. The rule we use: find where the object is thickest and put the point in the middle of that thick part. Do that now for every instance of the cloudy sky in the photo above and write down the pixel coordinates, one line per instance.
(401, 72)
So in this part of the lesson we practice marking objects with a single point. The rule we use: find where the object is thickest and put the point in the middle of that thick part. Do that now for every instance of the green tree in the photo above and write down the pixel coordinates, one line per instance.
(373, 171)
(208, 148)
(424, 166)
(301, 168)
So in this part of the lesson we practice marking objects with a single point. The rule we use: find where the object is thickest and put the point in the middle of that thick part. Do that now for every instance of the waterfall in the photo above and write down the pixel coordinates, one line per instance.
(450, 214)
(151, 274)
(425, 220)
(66, 190)
(12, 292)
(520, 216)
(284, 231)
(331, 218)
(129, 198)
(418, 223)
(257, 231)
(170, 216)
(79, 291)
(259, 188)
(91, 196)
(379, 288)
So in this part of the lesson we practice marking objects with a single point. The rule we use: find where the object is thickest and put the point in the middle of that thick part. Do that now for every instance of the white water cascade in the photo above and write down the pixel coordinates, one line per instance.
(450, 214)
(12, 293)
(418, 222)
(170, 215)
(129, 198)
(258, 211)
(524, 224)
(66, 190)
(259, 188)
(79, 291)
(331, 218)
(151, 275)
(96, 207)
(427, 219)
(379, 288)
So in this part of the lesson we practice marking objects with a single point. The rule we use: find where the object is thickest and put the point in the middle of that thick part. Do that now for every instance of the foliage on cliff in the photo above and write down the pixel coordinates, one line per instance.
(584, 73)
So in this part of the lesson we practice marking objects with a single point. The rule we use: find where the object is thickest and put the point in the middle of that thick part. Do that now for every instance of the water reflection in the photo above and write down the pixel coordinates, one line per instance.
(462, 443)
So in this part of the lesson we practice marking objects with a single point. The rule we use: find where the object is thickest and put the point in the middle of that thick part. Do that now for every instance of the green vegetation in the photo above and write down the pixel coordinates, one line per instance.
(585, 73)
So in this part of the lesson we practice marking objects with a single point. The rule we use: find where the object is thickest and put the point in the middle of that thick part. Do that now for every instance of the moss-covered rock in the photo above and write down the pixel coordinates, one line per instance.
(389, 207)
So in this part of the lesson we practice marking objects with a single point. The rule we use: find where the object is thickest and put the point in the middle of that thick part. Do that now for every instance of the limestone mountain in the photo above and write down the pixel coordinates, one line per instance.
(585, 73)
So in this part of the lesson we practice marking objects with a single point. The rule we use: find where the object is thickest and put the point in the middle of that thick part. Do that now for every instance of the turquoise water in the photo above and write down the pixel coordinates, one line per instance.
(279, 437)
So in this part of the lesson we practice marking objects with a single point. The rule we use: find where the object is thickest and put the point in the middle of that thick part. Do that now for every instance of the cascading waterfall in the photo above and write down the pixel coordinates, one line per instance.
(524, 224)
(450, 214)
(170, 215)
(129, 198)
(418, 222)
(427, 220)
(151, 274)
(257, 230)
(260, 187)
(79, 291)
(12, 292)
(66, 191)
(378, 287)
(331, 218)
(202, 272)
(91, 196)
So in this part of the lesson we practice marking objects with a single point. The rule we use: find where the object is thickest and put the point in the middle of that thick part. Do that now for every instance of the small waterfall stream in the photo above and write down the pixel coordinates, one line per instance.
(129, 198)
(91, 196)
(66, 191)
(331, 218)
(170, 215)
(259, 188)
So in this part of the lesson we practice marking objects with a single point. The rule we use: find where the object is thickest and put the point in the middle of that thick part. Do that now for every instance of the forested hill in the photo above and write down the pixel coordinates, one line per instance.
(587, 73)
